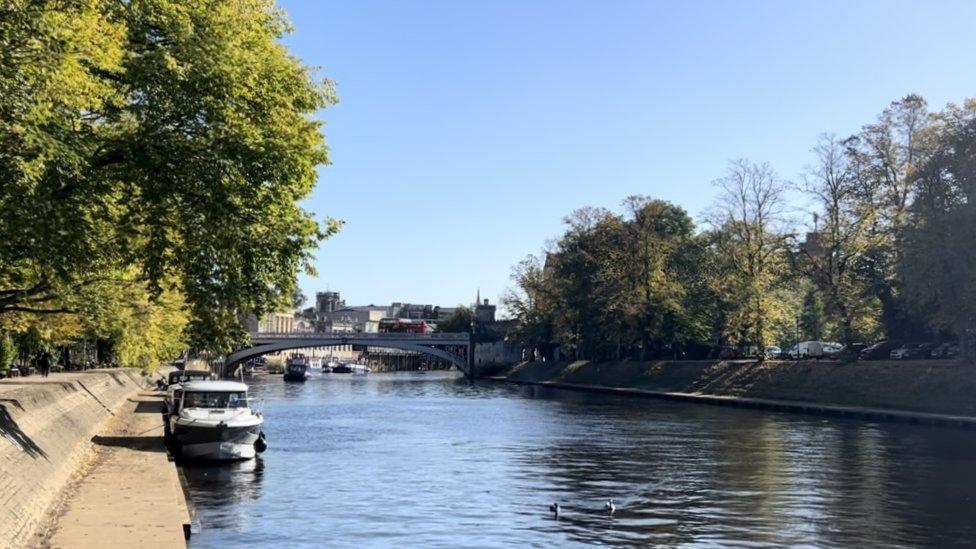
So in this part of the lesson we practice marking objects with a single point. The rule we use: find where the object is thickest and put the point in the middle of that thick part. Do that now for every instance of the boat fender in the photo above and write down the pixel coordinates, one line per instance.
(261, 444)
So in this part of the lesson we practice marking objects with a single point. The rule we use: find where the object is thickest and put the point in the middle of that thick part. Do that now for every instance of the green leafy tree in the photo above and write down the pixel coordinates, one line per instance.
(530, 302)
(750, 253)
(8, 351)
(939, 262)
(458, 322)
(835, 254)
(883, 159)
(813, 321)
(654, 234)
(175, 137)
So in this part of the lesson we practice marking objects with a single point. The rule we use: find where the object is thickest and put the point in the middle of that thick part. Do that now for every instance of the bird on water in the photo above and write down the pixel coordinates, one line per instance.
(610, 508)
(554, 509)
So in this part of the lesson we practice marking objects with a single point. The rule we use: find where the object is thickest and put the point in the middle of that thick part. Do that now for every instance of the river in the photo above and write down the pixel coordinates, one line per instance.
(434, 460)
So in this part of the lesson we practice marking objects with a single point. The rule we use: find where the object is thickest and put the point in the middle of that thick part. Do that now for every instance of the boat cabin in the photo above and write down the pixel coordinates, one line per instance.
(209, 395)
(184, 376)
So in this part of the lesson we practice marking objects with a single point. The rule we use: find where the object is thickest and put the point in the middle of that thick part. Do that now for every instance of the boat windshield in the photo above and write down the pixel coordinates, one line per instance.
(215, 400)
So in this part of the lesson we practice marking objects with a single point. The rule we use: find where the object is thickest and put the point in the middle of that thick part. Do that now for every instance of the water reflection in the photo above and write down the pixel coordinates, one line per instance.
(224, 491)
(434, 460)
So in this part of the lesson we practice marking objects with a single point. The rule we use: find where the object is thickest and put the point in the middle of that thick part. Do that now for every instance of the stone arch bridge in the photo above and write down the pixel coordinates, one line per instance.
(455, 348)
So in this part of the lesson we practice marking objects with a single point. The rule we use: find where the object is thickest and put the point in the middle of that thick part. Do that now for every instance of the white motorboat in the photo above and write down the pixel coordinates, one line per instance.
(213, 420)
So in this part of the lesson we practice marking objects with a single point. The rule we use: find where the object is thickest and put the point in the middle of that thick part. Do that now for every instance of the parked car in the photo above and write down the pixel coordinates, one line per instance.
(925, 350)
(773, 351)
(806, 349)
(730, 353)
(910, 350)
(946, 350)
(831, 348)
(858, 347)
(880, 350)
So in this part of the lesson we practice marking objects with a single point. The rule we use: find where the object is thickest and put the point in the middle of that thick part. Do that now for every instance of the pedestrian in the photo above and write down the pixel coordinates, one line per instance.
(45, 363)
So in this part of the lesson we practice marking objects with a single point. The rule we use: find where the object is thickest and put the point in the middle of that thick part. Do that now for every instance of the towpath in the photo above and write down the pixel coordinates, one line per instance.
(128, 494)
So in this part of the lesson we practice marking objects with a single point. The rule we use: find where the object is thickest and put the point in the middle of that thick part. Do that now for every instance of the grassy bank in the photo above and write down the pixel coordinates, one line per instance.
(932, 386)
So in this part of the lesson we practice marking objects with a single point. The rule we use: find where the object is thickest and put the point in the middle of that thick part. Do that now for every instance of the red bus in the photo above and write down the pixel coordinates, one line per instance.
(404, 326)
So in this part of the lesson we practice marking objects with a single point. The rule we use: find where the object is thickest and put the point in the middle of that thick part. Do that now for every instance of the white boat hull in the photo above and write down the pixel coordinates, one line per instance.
(220, 441)
(219, 451)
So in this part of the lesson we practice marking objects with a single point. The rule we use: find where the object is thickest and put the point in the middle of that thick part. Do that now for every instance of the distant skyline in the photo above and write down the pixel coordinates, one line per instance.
(467, 131)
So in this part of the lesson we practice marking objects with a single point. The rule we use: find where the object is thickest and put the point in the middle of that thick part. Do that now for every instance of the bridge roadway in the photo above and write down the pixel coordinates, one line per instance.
(446, 346)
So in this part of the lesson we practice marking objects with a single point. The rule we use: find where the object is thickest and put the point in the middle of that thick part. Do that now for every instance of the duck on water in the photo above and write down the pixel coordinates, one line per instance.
(212, 420)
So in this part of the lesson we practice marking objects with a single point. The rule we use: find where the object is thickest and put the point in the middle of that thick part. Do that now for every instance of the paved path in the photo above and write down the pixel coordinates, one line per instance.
(131, 495)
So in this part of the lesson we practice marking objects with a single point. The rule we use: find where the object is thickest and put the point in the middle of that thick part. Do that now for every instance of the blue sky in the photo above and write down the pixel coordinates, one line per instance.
(467, 130)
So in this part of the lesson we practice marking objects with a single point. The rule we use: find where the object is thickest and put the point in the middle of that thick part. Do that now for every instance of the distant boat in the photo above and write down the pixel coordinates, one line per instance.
(355, 369)
(296, 368)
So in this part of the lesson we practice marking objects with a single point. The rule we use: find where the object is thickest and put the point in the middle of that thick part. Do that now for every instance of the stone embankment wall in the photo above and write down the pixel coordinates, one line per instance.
(46, 425)
(930, 386)
(489, 357)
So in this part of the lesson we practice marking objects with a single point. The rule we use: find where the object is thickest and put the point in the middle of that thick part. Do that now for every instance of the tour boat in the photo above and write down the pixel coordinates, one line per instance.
(296, 368)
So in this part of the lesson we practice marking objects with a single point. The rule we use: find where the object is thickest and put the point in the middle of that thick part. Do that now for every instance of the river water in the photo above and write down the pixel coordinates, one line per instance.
(434, 460)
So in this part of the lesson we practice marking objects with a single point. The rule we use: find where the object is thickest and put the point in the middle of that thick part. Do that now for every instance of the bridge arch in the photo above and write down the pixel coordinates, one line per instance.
(429, 344)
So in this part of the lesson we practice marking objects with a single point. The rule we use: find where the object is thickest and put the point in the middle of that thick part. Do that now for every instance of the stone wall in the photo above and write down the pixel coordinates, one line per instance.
(495, 355)
(931, 386)
(46, 425)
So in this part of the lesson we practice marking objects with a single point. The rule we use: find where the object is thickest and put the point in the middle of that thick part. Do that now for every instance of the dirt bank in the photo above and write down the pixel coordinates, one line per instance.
(932, 386)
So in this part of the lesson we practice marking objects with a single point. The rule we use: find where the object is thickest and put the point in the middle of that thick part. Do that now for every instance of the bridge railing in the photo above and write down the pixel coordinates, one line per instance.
(460, 337)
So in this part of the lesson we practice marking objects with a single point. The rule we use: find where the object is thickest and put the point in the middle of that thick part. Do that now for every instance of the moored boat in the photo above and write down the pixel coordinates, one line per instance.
(296, 368)
(355, 369)
(213, 420)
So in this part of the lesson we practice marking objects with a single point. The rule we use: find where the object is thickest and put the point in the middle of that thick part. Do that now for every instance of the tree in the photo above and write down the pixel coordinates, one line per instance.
(939, 260)
(128, 141)
(749, 252)
(883, 159)
(834, 255)
(459, 321)
(8, 351)
(653, 236)
(530, 302)
(813, 323)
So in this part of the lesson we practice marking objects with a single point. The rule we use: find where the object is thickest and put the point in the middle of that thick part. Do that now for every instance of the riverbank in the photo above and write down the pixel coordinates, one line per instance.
(129, 494)
(58, 432)
(933, 391)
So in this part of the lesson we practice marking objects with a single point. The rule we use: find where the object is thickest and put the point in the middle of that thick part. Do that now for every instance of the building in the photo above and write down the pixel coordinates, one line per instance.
(364, 318)
(484, 313)
(327, 302)
(415, 311)
(277, 323)
(331, 314)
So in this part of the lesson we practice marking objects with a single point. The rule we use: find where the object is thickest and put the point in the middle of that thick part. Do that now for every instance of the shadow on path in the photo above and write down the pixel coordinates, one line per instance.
(12, 432)
(140, 444)
(149, 406)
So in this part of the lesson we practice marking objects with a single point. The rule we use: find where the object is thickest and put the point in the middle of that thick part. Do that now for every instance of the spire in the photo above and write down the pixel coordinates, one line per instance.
(477, 300)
